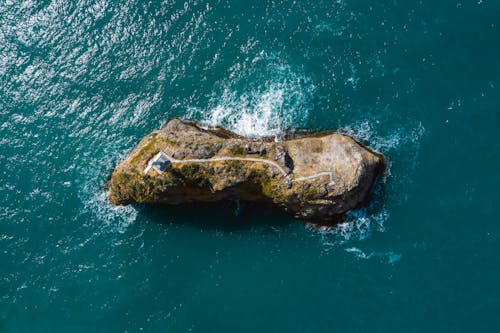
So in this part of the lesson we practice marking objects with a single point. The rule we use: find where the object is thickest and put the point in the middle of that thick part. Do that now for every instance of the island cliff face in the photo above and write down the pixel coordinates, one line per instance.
(314, 177)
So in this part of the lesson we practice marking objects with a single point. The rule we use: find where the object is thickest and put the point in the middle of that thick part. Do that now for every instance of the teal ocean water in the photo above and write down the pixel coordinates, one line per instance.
(81, 82)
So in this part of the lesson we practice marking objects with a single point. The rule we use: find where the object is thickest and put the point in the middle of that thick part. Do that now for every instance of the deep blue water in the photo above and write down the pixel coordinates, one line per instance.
(81, 82)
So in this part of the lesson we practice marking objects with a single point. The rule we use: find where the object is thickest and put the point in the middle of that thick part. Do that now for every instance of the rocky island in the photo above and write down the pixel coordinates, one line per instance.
(315, 176)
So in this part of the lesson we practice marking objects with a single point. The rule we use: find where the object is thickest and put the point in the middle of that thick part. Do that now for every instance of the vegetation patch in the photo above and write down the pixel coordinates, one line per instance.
(155, 144)
(310, 194)
(234, 166)
(237, 150)
(193, 175)
(190, 171)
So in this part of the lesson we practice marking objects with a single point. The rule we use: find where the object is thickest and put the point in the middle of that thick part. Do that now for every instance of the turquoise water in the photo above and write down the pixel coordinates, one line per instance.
(81, 82)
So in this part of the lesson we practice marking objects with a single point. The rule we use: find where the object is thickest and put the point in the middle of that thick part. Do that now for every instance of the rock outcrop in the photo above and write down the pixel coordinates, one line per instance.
(313, 176)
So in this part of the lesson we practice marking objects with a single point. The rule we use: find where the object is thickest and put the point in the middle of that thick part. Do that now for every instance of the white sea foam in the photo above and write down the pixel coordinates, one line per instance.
(390, 257)
(366, 132)
(358, 225)
(112, 218)
(278, 100)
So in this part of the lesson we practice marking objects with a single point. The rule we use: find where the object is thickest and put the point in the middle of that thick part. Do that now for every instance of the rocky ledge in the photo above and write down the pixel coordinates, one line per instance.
(315, 176)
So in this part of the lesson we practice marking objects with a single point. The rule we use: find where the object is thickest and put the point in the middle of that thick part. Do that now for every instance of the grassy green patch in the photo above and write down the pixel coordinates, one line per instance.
(234, 166)
(155, 144)
(190, 171)
(237, 150)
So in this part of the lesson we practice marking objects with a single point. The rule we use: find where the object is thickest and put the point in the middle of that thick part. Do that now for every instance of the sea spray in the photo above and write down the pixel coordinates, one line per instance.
(263, 97)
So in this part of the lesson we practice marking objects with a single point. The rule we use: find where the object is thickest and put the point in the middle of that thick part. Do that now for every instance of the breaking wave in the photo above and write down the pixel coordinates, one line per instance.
(113, 218)
(261, 97)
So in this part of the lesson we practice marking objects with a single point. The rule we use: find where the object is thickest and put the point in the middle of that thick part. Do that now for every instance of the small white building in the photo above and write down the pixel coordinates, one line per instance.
(160, 162)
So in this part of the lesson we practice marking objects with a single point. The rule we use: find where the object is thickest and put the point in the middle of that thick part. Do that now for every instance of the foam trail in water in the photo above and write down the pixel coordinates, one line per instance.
(390, 257)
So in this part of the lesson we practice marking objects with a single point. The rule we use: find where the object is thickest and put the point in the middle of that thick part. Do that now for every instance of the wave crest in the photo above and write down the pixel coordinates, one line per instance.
(261, 97)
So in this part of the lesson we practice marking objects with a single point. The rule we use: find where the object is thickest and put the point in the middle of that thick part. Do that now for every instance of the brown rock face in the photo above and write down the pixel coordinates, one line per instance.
(315, 177)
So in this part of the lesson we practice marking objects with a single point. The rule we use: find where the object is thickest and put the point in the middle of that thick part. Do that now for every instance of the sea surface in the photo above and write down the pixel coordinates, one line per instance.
(82, 81)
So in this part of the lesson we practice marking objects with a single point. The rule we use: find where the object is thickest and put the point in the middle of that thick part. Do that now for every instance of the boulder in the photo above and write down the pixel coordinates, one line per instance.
(314, 176)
